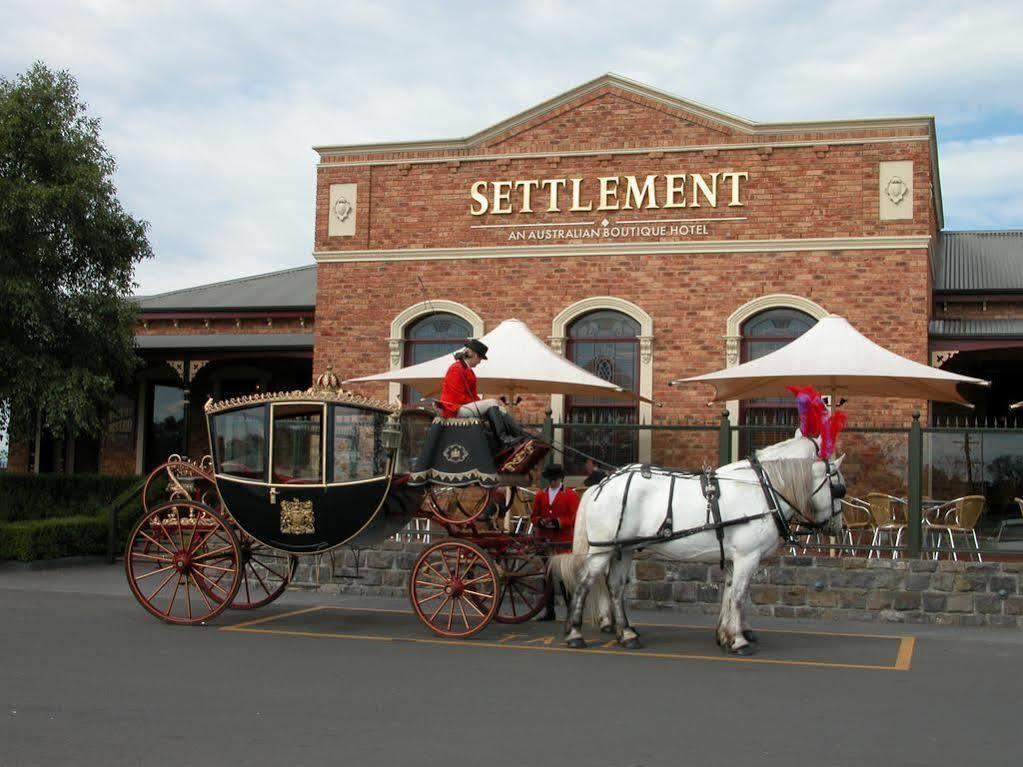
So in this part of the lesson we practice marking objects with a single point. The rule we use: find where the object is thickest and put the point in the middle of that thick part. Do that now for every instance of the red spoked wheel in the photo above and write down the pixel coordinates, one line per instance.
(178, 554)
(525, 587)
(454, 588)
(458, 505)
(266, 573)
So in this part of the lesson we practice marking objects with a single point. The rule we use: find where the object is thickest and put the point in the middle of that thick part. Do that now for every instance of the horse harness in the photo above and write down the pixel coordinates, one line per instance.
(709, 484)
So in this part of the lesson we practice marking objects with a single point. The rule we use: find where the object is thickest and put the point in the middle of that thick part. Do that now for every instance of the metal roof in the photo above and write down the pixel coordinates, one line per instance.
(288, 289)
(976, 328)
(227, 341)
(980, 262)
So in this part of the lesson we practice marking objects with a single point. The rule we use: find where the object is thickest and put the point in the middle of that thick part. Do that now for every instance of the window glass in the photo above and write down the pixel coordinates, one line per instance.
(297, 444)
(358, 448)
(773, 418)
(240, 445)
(604, 343)
(430, 337)
(167, 424)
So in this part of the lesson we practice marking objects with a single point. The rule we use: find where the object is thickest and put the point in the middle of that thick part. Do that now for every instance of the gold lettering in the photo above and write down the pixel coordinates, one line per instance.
(576, 206)
(711, 192)
(479, 197)
(527, 188)
(502, 194)
(608, 191)
(734, 176)
(633, 192)
(675, 191)
(553, 184)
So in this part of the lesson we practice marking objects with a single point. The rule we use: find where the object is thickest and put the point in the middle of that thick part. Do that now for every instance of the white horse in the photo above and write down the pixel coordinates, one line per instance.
(629, 510)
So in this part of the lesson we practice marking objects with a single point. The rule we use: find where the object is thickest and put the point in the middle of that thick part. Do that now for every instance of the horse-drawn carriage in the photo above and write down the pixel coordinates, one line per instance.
(306, 472)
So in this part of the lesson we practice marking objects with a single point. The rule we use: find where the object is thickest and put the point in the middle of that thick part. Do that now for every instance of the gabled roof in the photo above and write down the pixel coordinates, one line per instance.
(610, 79)
(979, 262)
(293, 289)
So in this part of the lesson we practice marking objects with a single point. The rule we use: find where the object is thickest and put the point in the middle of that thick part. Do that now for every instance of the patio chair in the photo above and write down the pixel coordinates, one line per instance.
(857, 522)
(1011, 524)
(888, 515)
(957, 517)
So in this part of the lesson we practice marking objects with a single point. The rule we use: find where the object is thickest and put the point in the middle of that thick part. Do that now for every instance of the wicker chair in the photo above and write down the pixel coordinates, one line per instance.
(889, 518)
(957, 517)
(857, 522)
(1011, 524)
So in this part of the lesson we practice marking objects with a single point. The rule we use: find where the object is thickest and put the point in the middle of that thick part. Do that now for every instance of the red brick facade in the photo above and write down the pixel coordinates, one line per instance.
(810, 227)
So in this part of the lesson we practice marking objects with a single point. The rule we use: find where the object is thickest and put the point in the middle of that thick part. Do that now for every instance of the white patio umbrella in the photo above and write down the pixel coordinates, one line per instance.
(836, 359)
(517, 363)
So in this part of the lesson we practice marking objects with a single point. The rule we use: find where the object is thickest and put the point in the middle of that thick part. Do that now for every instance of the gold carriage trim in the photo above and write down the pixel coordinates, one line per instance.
(325, 389)
(458, 421)
(447, 476)
(297, 518)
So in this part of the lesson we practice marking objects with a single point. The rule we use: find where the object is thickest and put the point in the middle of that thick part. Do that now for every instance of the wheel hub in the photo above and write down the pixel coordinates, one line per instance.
(455, 587)
(182, 562)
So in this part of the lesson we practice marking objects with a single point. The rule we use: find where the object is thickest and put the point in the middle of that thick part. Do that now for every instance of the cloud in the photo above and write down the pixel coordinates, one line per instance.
(211, 108)
(980, 182)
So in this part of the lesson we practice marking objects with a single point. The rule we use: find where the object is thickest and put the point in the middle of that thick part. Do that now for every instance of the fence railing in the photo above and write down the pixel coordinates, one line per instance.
(924, 469)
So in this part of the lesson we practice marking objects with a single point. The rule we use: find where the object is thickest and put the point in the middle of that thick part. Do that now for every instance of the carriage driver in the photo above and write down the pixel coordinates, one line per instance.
(458, 395)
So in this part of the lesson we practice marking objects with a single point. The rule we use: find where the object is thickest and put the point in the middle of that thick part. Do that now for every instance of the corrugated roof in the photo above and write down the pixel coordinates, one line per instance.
(984, 262)
(288, 289)
(227, 341)
(976, 328)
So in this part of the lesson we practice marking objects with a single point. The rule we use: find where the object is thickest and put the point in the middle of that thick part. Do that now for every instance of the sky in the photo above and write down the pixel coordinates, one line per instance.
(212, 108)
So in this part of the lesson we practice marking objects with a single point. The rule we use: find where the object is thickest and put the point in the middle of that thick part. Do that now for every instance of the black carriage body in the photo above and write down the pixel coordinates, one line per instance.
(308, 472)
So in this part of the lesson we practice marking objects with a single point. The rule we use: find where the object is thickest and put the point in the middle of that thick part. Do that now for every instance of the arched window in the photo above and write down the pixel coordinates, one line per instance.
(762, 334)
(606, 343)
(429, 337)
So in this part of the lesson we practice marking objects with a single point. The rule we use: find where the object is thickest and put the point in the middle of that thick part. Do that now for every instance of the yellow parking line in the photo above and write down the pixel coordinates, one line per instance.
(902, 663)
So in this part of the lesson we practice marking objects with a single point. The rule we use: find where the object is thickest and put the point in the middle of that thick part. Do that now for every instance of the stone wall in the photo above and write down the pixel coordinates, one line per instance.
(825, 588)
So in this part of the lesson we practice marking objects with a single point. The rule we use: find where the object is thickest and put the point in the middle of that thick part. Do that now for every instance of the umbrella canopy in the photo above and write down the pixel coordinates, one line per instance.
(517, 363)
(836, 359)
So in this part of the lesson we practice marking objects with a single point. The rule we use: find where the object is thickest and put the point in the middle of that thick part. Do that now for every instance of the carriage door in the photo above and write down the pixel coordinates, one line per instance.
(297, 469)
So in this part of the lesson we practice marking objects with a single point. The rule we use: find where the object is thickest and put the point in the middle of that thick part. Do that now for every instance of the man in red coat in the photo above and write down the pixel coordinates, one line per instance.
(553, 518)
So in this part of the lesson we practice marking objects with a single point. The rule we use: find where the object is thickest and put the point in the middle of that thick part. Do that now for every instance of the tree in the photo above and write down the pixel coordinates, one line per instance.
(67, 255)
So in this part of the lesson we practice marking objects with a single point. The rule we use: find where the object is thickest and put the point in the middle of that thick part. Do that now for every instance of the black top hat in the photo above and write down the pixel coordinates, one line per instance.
(595, 477)
(554, 471)
(477, 346)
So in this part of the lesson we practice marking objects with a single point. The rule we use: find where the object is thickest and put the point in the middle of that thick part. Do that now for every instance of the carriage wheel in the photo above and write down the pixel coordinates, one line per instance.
(454, 588)
(525, 589)
(266, 573)
(164, 483)
(178, 554)
(458, 505)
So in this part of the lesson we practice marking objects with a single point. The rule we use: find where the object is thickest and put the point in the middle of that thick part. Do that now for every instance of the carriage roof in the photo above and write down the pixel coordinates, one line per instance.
(325, 389)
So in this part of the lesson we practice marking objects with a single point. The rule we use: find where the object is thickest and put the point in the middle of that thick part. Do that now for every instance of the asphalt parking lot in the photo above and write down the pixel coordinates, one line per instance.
(88, 677)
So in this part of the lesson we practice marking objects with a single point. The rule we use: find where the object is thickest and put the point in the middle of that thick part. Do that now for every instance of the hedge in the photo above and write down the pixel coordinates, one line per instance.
(54, 516)
(45, 496)
(35, 539)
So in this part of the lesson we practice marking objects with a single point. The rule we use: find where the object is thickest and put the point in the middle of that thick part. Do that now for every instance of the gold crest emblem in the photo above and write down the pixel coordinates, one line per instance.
(297, 517)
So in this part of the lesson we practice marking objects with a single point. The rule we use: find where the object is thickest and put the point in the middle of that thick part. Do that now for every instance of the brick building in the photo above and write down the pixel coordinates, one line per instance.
(646, 236)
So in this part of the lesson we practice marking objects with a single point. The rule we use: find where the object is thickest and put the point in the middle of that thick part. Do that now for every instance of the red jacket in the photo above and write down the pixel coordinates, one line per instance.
(562, 512)
(459, 388)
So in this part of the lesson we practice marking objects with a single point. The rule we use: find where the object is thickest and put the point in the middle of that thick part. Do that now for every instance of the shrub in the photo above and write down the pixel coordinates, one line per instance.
(30, 540)
(46, 496)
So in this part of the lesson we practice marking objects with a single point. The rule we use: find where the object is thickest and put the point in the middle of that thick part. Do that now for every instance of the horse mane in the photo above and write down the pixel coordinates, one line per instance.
(793, 478)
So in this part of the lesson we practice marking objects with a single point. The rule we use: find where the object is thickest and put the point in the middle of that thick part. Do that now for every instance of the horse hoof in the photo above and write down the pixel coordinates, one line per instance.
(749, 635)
(632, 644)
(608, 629)
(576, 643)
(744, 651)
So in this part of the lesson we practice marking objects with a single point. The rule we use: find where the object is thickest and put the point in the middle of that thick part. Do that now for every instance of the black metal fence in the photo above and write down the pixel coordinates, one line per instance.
(952, 490)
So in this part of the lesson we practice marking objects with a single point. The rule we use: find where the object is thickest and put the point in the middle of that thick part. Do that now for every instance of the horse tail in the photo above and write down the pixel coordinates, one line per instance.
(564, 569)
(580, 539)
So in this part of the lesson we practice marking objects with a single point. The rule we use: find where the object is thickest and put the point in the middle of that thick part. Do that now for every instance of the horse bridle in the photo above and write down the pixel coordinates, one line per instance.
(836, 488)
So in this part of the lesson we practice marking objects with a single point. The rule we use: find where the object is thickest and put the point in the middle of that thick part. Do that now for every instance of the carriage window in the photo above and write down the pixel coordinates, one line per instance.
(297, 444)
(604, 343)
(430, 337)
(762, 334)
(241, 442)
(358, 451)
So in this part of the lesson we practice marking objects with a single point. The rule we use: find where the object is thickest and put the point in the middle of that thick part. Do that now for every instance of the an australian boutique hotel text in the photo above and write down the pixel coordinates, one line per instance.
(610, 207)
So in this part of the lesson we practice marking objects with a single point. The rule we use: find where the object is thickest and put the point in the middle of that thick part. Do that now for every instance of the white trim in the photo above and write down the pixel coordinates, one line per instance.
(626, 249)
(733, 336)
(396, 341)
(751, 146)
(559, 337)
(633, 87)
